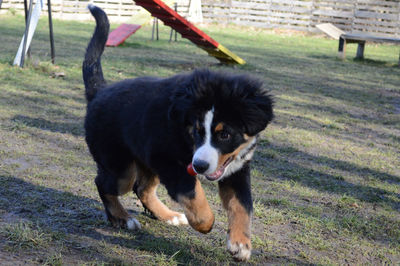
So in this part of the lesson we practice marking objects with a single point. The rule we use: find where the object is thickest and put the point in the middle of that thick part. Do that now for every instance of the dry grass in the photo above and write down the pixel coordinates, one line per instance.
(326, 176)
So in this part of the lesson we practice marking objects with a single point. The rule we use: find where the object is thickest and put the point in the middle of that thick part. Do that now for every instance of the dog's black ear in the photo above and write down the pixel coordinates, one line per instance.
(181, 108)
(258, 113)
(193, 93)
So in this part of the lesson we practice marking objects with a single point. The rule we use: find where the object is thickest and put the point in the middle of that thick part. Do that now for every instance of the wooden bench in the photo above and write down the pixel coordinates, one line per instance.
(345, 38)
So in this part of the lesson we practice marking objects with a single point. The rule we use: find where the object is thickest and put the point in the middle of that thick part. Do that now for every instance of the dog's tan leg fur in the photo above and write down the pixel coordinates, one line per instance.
(116, 213)
(197, 210)
(239, 224)
(146, 191)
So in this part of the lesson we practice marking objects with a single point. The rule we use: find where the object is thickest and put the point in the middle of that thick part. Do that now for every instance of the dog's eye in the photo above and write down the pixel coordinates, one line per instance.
(223, 135)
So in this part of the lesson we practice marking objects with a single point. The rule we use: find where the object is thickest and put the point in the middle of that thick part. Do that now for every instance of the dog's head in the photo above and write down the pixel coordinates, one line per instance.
(225, 113)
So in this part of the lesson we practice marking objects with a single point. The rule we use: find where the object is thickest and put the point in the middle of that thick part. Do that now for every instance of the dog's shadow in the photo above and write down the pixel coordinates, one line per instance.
(77, 218)
(77, 223)
(74, 128)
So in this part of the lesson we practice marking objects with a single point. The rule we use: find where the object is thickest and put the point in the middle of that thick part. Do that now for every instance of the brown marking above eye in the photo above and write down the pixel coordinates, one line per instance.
(197, 125)
(219, 127)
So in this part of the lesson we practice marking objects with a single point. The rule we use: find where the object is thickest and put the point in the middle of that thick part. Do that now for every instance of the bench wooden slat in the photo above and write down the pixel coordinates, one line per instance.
(331, 30)
(367, 37)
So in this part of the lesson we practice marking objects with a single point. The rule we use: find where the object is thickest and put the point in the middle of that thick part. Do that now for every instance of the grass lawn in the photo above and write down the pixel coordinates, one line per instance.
(326, 175)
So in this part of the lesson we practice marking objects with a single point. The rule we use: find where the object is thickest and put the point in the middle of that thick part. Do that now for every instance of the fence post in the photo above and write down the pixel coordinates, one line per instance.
(355, 5)
(311, 17)
(268, 4)
(398, 23)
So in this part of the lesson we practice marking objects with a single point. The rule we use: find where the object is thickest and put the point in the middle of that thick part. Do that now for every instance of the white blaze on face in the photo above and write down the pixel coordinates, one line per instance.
(206, 152)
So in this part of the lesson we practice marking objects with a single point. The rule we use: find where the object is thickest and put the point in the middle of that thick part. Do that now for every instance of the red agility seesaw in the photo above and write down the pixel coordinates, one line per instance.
(160, 10)
(120, 34)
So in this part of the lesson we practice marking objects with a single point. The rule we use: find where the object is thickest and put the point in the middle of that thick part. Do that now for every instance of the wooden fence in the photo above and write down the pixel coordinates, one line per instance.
(117, 10)
(373, 16)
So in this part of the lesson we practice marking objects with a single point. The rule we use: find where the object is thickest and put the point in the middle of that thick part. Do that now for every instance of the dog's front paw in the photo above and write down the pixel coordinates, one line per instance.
(240, 248)
(178, 219)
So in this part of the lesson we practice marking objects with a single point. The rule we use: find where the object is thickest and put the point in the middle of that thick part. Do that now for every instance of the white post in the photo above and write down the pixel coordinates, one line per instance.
(195, 14)
(32, 27)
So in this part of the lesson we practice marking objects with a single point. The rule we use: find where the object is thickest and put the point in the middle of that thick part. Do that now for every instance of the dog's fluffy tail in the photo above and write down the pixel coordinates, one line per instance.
(91, 68)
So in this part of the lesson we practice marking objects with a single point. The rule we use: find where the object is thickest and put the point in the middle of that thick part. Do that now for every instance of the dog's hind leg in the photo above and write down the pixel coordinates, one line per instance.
(146, 188)
(109, 189)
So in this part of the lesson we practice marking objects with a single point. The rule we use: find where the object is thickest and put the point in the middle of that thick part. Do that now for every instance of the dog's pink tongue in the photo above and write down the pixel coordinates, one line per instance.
(216, 174)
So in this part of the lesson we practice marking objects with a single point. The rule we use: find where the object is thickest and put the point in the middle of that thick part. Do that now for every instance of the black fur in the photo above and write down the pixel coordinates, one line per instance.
(152, 121)
(92, 72)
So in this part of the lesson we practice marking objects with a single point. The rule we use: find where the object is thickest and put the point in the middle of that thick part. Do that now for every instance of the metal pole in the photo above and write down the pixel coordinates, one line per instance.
(176, 10)
(26, 34)
(26, 20)
(157, 27)
(26, 10)
(172, 30)
(53, 55)
(170, 35)
(1, 1)
(152, 32)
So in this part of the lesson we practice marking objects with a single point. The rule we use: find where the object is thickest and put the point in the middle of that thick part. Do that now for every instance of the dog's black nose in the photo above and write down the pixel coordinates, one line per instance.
(200, 166)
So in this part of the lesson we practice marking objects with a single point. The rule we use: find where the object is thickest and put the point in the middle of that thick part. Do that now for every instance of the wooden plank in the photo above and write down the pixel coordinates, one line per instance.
(333, 13)
(181, 25)
(333, 20)
(289, 9)
(343, 27)
(288, 21)
(376, 15)
(330, 30)
(120, 34)
(272, 20)
(268, 14)
(379, 9)
(253, 1)
(378, 3)
(261, 6)
(371, 38)
(335, 2)
(269, 25)
(375, 29)
(294, 3)
(379, 23)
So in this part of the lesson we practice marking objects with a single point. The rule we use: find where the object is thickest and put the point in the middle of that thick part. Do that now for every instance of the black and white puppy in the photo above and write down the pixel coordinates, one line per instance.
(146, 131)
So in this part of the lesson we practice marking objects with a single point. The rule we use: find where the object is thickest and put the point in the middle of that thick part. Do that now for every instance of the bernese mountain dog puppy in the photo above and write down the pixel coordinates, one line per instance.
(146, 131)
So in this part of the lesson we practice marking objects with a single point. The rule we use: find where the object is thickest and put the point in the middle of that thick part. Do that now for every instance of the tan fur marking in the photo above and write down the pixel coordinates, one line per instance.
(238, 218)
(219, 127)
(117, 210)
(147, 195)
(197, 210)
(125, 184)
(223, 157)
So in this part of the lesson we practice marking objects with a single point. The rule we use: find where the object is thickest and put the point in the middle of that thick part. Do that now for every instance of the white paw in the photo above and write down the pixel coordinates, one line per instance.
(239, 251)
(178, 220)
(133, 224)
